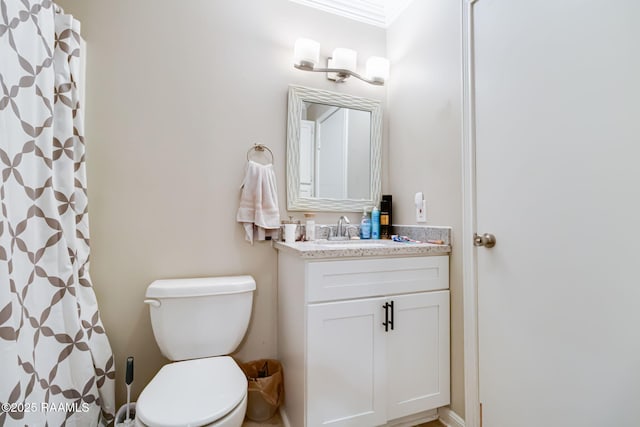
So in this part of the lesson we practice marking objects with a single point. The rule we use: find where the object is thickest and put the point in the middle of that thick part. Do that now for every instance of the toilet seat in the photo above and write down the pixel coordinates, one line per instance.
(193, 392)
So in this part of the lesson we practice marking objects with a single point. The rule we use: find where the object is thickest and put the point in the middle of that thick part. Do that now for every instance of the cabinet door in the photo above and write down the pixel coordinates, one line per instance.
(418, 353)
(346, 364)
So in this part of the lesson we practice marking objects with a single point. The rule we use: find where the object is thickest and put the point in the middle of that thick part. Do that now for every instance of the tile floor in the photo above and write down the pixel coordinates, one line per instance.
(276, 421)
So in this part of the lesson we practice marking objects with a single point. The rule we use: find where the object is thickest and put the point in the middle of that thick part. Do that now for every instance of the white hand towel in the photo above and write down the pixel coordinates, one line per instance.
(258, 211)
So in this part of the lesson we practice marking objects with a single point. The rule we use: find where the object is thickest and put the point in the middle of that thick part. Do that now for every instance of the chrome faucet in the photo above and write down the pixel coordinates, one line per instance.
(341, 229)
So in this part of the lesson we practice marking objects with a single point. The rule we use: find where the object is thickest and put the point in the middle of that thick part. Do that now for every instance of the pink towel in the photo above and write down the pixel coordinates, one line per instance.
(258, 211)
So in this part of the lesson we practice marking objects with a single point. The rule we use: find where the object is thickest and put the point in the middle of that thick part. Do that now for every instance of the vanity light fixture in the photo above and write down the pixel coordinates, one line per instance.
(340, 65)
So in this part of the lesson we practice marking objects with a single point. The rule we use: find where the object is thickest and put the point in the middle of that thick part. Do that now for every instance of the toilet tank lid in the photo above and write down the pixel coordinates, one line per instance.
(201, 286)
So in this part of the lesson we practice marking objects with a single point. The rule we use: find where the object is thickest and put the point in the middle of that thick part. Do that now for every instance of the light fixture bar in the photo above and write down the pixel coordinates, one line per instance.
(340, 72)
(341, 65)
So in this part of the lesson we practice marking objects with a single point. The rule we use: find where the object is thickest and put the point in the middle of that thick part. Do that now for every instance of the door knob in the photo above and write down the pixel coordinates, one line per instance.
(487, 240)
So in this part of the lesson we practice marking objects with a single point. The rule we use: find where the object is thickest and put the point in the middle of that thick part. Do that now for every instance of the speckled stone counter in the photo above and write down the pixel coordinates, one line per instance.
(424, 232)
(365, 248)
(375, 248)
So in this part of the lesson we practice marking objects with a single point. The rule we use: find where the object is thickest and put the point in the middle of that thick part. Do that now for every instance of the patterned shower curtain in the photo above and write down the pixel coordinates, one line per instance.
(56, 364)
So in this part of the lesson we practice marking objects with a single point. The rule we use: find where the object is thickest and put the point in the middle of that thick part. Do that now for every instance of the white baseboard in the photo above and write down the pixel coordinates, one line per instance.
(450, 418)
(415, 419)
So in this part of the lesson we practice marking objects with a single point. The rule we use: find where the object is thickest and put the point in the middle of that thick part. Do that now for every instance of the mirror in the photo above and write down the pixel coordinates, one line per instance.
(333, 151)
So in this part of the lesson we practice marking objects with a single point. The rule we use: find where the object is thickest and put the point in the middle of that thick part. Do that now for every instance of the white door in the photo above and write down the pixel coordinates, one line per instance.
(332, 149)
(418, 353)
(558, 183)
(346, 364)
(307, 158)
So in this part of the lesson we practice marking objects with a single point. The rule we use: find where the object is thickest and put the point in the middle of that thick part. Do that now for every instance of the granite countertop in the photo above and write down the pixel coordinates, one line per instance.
(360, 248)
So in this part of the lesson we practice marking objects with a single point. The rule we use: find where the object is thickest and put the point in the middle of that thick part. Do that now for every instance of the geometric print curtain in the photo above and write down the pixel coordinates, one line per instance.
(56, 364)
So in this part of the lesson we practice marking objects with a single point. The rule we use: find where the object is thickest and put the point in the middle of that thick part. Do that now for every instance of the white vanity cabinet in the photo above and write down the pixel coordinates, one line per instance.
(363, 341)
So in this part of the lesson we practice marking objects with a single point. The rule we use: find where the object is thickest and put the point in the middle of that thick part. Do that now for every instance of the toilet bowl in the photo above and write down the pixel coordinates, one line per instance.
(200, 392)
(197, 322)
(232, 419)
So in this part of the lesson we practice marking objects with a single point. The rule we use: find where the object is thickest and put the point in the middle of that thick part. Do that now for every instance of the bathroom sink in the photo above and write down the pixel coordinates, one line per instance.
(355, 243)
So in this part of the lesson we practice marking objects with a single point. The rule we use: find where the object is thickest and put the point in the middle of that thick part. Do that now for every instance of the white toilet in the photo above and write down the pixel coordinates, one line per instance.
(196, 323)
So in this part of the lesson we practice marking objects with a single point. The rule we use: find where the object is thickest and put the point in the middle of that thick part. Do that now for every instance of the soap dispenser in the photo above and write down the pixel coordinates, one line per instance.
(365, 225)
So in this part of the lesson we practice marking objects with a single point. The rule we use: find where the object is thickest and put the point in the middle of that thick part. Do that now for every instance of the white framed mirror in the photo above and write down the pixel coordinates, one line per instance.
(333, 151)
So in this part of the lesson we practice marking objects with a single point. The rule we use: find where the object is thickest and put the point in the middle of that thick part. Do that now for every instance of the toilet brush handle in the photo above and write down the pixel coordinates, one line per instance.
(128, 402)
(128, 379)
(129, 375)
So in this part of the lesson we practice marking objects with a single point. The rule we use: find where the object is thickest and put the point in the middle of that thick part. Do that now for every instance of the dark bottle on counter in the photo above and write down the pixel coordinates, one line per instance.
(385, 217)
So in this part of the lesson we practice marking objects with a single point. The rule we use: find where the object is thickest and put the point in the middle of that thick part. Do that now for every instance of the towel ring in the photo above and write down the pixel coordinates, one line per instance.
(260, 148)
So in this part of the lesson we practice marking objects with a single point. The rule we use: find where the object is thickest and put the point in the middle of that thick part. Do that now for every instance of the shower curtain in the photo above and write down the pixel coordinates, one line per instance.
(56, 364)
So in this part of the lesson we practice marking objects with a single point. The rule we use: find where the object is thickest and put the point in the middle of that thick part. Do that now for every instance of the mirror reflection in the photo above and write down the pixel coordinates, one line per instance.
(335, 152)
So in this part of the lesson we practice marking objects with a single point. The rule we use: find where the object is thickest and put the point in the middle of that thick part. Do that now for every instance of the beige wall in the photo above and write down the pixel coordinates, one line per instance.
(424, 105)
(176, 94)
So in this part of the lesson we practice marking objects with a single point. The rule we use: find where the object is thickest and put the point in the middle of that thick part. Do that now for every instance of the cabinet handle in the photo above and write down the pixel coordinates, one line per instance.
(386, 317)
(391, 321)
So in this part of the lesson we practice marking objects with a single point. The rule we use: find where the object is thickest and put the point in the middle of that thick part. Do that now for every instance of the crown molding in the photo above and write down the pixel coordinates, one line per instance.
(380, 13)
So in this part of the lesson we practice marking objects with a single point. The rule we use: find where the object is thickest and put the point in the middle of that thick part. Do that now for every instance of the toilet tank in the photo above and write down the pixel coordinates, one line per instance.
(200, 317)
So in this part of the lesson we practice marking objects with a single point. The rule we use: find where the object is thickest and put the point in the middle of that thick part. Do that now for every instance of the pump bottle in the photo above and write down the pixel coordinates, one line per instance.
(375, 223)
(365, 225)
